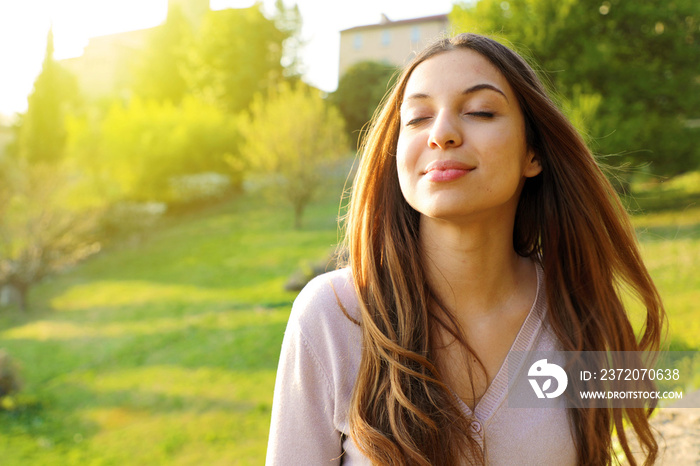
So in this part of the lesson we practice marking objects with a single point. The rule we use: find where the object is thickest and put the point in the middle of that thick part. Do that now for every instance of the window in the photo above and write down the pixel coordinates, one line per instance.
(357, 41)
(415, 34)
(386, 37)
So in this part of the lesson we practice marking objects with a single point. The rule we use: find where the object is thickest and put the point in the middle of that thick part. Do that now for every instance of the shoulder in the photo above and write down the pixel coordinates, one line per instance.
(319, 312)
(325, 293)
(318, 364)
(331, 339)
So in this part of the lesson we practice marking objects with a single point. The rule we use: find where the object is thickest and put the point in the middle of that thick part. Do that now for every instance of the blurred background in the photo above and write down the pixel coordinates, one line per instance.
(173, 172)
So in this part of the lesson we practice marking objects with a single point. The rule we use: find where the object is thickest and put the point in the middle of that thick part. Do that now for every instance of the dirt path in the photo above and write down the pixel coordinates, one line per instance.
(679, 429)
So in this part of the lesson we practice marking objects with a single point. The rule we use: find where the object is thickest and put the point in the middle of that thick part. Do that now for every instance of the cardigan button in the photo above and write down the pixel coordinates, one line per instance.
(476, 426)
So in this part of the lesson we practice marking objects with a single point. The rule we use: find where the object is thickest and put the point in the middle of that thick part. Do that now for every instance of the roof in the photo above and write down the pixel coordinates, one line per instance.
(382, 25)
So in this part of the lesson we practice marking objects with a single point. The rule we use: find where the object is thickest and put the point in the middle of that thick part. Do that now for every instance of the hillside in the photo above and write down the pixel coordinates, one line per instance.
(163, 350)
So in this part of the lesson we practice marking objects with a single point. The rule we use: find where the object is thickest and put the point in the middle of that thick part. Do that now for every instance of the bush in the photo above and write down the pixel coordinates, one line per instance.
(199, 187)
(132, 217)
(137, 149)
(9, 379)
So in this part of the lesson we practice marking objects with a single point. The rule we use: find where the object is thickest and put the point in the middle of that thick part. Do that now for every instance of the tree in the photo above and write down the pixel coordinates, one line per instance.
(360, 90)
(136, 151)
(39, 231)
(236, 55)
(41, 135)
(161, 66)
(288, 21)
(293, 135)
(628, 68)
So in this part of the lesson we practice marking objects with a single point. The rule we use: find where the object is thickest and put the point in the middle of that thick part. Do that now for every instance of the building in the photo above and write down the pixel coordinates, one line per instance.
(106, 64)
(392, 42)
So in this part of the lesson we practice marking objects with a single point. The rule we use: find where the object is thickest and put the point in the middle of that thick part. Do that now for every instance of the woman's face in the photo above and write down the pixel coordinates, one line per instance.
(462, 148)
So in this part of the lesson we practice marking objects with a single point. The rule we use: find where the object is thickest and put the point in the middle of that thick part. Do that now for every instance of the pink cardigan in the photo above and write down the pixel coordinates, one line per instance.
(317, 370)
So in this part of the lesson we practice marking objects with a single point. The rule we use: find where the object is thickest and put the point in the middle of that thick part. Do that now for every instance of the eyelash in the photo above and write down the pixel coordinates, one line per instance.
(415, 121)
(481, 114)
(474, 114)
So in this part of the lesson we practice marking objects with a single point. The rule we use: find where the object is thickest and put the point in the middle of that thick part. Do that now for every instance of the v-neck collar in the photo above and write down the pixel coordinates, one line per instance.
(497, 389)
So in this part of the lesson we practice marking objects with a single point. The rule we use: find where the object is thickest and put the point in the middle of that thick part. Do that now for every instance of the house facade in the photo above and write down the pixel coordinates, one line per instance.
(107, 61)
(391, 42)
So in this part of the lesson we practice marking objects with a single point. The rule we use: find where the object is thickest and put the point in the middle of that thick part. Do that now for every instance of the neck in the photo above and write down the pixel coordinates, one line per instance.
(472, 267)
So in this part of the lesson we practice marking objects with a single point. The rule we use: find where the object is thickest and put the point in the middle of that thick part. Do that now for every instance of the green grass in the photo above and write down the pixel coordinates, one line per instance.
(667, 221)
(164, 350)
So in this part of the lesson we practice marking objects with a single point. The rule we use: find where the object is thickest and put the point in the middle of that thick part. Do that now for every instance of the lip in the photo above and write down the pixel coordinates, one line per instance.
(446, 170)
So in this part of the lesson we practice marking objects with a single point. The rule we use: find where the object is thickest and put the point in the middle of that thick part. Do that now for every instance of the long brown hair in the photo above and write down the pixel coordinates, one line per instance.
(569, 218)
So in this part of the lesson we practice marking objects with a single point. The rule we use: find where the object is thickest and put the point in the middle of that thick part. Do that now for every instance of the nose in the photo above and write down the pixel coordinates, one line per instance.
(445, 132)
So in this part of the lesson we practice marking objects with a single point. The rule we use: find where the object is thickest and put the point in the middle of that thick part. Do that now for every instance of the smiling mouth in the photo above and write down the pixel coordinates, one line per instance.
(446, 170)
(446, 165)
(445, 175)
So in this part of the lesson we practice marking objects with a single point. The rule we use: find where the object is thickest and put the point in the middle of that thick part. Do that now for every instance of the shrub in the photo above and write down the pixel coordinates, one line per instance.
(9, 379)
(199, 187)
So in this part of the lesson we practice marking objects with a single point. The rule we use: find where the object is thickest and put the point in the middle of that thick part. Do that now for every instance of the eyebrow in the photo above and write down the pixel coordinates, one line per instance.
(469, 90)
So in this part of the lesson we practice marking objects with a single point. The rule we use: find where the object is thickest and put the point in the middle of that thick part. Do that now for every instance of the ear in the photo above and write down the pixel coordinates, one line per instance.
(533, 167)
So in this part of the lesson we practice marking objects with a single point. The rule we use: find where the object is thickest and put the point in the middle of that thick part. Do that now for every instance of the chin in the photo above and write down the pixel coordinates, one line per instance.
(448, 213)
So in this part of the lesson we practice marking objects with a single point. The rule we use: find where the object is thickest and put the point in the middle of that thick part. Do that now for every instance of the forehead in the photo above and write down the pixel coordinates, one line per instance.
(454, 71)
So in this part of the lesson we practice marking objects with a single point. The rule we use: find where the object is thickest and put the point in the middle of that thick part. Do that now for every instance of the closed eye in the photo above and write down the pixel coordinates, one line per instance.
(481, 114)
(415, 121)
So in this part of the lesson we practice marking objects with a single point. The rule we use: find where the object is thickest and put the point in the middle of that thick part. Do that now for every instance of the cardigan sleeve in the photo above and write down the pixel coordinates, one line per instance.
(302, 430)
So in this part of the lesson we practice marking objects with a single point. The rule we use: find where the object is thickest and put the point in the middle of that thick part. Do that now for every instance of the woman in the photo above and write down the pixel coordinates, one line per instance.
(479, 224)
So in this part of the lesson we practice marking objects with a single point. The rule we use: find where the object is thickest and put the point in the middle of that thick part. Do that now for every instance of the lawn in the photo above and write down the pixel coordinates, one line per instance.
(163, 350)
(667, 220)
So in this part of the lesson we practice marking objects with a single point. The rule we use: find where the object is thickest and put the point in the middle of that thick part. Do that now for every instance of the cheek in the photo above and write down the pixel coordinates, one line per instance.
(509, 146)
(404, 176)
(405, 167)
(407, 152)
